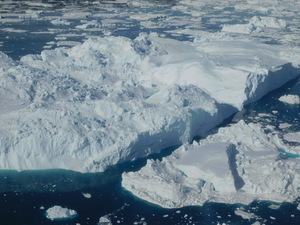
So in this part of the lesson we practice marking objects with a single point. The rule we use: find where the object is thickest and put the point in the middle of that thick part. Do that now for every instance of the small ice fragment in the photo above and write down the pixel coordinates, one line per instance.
(290, 99)
(104, 220)
(274, 206)
(58, 212)
(87, 195)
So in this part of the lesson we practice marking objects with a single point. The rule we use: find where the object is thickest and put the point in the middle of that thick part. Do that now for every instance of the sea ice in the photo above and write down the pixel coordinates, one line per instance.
(255, 25)
(58, 212)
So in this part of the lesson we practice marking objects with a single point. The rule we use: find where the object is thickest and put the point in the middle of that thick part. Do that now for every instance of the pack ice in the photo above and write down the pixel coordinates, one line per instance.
(238, 164)
(113, 99)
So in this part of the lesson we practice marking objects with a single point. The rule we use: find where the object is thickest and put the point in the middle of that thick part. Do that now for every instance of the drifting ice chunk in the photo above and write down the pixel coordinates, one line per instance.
(104, 221)
(58, 212)
(290, 99)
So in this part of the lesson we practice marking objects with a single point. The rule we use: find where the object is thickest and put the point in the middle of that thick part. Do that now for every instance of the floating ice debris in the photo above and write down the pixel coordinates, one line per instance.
(244, 215)
(255, 25)
(290, 99)
(58, 212)
(104, 220)
(60, 21)
(284, 125)
(273, 206)
(87, 195)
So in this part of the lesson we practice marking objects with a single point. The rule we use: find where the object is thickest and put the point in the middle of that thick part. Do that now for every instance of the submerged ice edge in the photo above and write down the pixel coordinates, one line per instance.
(113, 99)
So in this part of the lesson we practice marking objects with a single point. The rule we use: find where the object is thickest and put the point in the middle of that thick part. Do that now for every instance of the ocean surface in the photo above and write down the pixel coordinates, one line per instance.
(26, 195)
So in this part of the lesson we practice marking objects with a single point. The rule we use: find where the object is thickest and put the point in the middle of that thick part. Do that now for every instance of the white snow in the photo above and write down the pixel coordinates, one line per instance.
(113, 99)
(58, 212)
(238, 164)
(290, 99)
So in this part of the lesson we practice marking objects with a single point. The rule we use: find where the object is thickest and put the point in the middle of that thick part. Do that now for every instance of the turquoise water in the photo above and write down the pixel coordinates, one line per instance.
(288, 154)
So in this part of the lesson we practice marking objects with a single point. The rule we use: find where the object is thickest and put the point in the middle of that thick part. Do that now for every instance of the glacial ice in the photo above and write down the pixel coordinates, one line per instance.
(113, 99)
(238, 164)
(58, 212)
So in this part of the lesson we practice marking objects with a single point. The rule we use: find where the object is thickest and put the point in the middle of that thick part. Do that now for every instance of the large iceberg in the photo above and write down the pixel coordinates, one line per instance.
(114, 99)
(238, 164)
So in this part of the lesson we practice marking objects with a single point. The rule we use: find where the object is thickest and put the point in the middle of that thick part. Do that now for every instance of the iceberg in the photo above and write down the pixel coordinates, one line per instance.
(113, 99)
(58, 212)
(238, 164)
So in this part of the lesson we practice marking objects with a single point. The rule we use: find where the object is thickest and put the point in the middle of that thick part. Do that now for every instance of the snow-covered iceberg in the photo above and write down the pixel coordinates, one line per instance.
(114, 99)
(238, 164)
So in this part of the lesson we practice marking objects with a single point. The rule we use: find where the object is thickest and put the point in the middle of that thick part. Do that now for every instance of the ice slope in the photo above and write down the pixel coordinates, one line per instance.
(113, 99)
(238, 164)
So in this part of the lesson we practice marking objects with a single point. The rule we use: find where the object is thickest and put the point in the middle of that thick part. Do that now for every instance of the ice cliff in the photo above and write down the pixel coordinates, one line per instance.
(113, 99)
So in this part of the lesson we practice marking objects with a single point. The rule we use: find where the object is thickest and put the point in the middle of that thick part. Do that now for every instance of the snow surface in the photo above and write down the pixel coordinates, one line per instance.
(290, 99)
(113, 99)
(90, 100)
(238, 164)
(58, 212)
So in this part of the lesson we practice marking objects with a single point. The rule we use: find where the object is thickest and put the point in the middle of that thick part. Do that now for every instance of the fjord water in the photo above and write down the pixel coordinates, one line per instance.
(26, 195)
